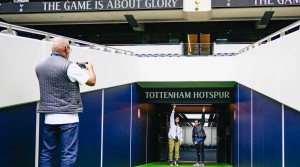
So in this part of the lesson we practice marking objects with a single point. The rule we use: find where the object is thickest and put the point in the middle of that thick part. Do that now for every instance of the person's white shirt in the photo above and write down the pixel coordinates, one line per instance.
(175, 130)
(75, 74)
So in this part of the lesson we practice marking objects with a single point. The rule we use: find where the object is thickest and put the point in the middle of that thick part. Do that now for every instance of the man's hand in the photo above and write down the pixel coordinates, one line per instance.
(92, 79)
(180, 142)
(174, 106)
(195, 142)
(203, 109)
(89, 66)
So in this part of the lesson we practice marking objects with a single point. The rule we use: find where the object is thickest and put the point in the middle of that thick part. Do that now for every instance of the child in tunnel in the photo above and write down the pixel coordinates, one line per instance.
(175, 138)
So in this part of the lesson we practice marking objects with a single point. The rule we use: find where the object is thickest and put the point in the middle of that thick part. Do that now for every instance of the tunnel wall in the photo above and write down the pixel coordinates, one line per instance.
(265, 131)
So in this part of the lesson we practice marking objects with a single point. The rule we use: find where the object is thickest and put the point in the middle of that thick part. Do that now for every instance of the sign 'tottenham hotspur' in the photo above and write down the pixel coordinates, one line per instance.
(188, 95)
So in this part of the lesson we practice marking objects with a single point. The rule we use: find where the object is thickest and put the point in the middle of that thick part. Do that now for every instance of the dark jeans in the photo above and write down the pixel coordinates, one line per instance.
(67, 136)
(200, 151)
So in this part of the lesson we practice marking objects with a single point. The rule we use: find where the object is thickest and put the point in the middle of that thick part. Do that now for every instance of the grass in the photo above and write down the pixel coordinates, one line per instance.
(165, 164)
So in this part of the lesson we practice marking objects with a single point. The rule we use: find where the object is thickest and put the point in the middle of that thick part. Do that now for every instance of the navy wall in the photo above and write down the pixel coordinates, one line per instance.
(266, 137)
(291, 136)
(267, 131)
(17, 127)
(116, 130)
(117, 109)
(89, 152)
(17, 141)
(244, 126)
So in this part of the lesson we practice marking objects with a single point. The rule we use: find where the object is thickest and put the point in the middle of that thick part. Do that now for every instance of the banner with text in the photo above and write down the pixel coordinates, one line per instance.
(92, 5)
(253, 3)
(188, 95)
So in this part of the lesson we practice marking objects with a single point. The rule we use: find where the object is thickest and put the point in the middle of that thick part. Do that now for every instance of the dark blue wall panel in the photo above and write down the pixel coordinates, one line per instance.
(258, 129)
(117, 108)
(138, 131)
(267, 131)
(244, 126)
(89, 152)
(17, 141)
(266, 126)
(291, 136)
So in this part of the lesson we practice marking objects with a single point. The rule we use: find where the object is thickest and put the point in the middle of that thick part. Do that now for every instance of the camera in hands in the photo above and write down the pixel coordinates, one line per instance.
(82, 64)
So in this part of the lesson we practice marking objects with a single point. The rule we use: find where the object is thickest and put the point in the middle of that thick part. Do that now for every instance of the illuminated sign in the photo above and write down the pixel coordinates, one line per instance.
(92, 5)
(188, 95)
(254, 3)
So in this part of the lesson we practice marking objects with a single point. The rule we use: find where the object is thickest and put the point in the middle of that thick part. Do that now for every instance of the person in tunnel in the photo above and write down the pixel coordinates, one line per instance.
(198, 136)
(60, 101)
(175, 138)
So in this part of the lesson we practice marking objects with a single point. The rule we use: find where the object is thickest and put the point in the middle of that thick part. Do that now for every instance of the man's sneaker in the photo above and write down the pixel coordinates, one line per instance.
(171, 163)
(176, 163)
(197, 164)
(201, 164)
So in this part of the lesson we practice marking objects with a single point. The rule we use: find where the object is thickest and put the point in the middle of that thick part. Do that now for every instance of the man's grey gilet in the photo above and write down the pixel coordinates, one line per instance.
(58, 94)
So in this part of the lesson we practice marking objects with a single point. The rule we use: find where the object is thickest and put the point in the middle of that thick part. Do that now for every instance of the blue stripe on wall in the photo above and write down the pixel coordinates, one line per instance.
(116, 138)
(267, 131)
(291, 136)
(17, 141)
(244, 126)
(235, 130)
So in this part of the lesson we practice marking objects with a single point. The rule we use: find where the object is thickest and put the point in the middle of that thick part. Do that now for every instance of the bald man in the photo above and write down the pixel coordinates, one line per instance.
(60, 101)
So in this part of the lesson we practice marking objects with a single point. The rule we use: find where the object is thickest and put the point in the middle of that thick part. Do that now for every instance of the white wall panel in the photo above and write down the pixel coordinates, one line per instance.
(152, 49)
(17, 69)
(289, 70)
(19, 57)
(229, 48)
(187, 69)
(258, 69)
(271, 69)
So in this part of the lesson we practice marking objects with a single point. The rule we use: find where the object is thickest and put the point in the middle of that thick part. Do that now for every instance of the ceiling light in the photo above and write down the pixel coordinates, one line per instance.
(193, 104)
(193, 116)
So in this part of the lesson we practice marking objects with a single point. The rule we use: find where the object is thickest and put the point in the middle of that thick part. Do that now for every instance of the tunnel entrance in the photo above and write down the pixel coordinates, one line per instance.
(217, 98)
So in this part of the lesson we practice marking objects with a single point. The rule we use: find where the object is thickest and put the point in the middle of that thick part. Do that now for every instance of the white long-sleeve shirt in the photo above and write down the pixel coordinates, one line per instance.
(175, 130)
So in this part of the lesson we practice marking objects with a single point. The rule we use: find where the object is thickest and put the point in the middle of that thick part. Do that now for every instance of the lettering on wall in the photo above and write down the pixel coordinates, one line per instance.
(90, 5)
(254, 3)
(207, 95)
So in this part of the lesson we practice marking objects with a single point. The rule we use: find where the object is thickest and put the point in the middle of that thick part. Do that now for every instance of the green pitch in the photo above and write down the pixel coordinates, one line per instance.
(165, 164)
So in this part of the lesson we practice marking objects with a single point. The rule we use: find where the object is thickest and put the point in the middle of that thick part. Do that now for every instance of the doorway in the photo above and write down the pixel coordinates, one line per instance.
(217, 121)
